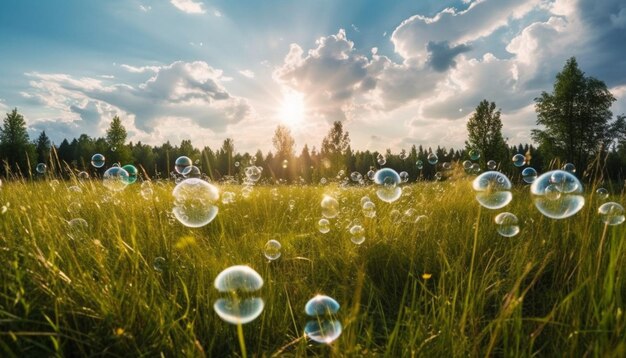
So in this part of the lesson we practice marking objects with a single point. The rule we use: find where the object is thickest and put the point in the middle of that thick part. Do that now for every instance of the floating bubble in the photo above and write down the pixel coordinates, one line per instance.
(432, 158)
(474, 154)
(570, 168)
(389, 180)
(323, 226)
(115, 179)
(519, 160)
(369, 209)
(492, 165)
(181, 163)
(493, 190)
(404, 177)
(529, 175)
(410, 216)
(292, 204)
(41, 168)
(357, 234)
(132, 173)
(422, 223)
(438, 176)
(228, 197)
(192, 172)
(240, 304)
(237, 164)
(159, 264)
(380, 159)
(475, 168)
(507, 224)
(611, 213)
(323, 181)
(365, 199)
(97, 160)
(467, 165)
(330, 207)
(78, 228)
(324, 328)
(271, 250)
(446, 166)
(83, 175)
(419, 164)
(253, 173)
(557, 194)
(602, 193)
(194, 202)
(370, 174)
(356, 176)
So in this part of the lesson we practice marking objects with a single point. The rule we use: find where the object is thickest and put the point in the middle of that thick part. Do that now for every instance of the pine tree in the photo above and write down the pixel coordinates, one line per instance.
(15, 147)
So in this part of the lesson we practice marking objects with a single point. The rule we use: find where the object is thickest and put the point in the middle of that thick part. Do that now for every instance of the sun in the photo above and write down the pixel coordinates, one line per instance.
(292, 108)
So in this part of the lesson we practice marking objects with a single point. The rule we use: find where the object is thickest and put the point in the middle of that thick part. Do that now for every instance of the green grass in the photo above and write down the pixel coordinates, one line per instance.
(542, 292)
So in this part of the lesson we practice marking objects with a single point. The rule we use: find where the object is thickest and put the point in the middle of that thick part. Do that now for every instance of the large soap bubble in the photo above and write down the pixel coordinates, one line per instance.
(240, 304)
(389, 181)
(611, 213)
(194, 202)
(330, 207)
(557, 194)
(325, 328)
(132, 173)
(115, 179)
(493, 190)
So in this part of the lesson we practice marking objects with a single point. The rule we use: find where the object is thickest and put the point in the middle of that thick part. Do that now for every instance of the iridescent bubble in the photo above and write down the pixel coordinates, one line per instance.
(492, 165)
(493, 190)
(380, 159)
(83, 175)
(115, 179)
(529, 175)
(519, 160)
(253, 173)
(475, 168)
(325, 327)
(557, 194)
(369, 209)
(159, 264)
(570, 168)
(41, 168)
(330, 207)
(467, 165)
(388, 179)
(432, 158)
(611, 213)
(419, 164)
(356, 177)
(97, 160)
(192, 172)
(228, 197)
(370, 174)
(194, 202)
(410, 216)
(323, 226)
(474, 154)
(422, 222)
(404, 177)
(271, 250)
(181, 163)
(602, 193)
(132, 173)
(365, 199)
(507, 224)
(239, 305)
(357, 234)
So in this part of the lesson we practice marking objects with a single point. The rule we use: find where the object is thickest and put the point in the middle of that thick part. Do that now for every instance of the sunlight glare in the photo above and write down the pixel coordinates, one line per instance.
(292, 108)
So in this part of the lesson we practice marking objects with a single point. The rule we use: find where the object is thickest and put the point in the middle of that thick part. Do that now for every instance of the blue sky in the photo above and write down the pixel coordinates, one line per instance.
(396, 72)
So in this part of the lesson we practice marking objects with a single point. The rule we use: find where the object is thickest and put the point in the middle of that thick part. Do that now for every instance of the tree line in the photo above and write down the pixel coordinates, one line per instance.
(576, 126)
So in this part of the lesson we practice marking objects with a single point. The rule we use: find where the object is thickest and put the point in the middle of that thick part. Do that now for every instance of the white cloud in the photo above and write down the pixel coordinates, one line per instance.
(217, 13)
(247, 73)
(145, 8)
(189, 6)
(140, 69)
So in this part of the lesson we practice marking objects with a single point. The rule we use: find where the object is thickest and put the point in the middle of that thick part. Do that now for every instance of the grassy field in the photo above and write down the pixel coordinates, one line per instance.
(446, 286)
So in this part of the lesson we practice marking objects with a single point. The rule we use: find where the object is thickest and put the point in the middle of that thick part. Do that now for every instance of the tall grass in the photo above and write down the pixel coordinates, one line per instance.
(450, 286)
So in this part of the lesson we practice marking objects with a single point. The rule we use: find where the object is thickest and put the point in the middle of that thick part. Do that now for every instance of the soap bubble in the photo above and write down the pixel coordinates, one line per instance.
(432, 158)
(570, 168)
(253, 173)
(271, 250)
(474, 154)
(388, 179)
(228, 197)
(132, 173)
(181, 163)
(529, 175)
(356, 177)
(507, 224)
(611, 213)
(194, 202)
(41, 168)
(446, 165)
(192, 172)
(519, 160)
(324, 328)
(83, 175)
(369, 209)
(404, 177)
(237, 164)
(493, 190)
(115, 179)
(380, 159)
(370, 174)
(240, 304)
(78, 229)
(557, 194)
(438, 176)
(492, 165)
(602, 193)
(467, 165)
(323, 226)
(419, 164)
(357, 234)
(97, 160)
(159, 264)
(330, 207)
(475, 168)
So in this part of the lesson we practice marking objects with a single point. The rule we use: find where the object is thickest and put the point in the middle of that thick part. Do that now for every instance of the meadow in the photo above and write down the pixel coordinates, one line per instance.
(446, 285)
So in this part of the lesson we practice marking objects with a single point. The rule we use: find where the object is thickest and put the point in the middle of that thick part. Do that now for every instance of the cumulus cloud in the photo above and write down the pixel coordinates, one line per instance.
(189, 6)
(441, 55)
(247, 73)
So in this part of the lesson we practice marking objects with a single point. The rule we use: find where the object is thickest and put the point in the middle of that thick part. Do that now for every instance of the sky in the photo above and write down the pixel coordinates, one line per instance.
(397, 73)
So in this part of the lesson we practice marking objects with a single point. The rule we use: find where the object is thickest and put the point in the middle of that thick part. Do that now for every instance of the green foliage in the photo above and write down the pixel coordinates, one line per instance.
(42, 146)
(15, 148)
(484, 130)
(117, 151)
(335, 146)
(402, 292)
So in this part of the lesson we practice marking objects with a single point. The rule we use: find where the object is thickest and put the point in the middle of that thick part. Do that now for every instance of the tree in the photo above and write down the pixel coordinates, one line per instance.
(116, 139)
(43, 147)
(575, 116)
(15, 147)
(285, 146)
(335, 145)
(484, 129)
